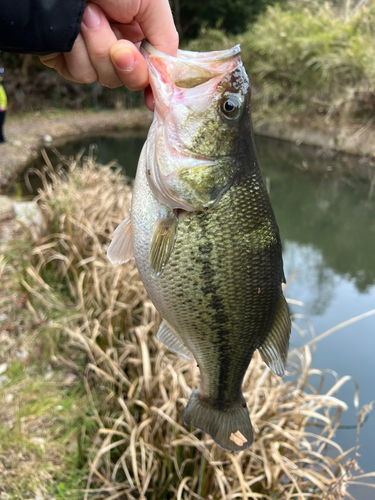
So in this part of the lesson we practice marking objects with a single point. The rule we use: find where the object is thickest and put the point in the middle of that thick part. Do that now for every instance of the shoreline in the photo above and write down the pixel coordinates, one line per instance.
(27, 134)
(348, 139)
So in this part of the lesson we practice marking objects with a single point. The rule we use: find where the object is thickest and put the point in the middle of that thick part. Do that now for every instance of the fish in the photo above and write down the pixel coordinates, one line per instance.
(204, 235)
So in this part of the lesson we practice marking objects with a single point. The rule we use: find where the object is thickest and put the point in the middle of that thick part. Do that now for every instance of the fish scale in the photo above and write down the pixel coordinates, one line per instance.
(226, 318)
(204, 236)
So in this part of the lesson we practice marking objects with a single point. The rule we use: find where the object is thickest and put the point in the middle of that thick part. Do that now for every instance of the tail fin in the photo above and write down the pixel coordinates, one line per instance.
(230, 429)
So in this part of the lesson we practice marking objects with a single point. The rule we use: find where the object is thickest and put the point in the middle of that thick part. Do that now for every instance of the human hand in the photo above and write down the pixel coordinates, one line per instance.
(105, 49)
(2, 108)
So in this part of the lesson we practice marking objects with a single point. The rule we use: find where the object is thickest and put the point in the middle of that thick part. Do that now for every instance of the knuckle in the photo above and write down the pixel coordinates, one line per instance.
(88, 78)
(176, 37)
(134, 87)
(101, 54)
(110, 84)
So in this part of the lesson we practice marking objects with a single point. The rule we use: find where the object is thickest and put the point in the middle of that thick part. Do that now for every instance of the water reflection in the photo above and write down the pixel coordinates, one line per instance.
(308, 266)
(124, 148)
(327, 213)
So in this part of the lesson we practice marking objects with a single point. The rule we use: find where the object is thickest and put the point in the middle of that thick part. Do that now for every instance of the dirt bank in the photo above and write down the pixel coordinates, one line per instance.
(26, 134)
(347, 138)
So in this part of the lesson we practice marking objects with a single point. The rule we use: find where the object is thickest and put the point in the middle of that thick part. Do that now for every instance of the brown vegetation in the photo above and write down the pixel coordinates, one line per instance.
(142, 449)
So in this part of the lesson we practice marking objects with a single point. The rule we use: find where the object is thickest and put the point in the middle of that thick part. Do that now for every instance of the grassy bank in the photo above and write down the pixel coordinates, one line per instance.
(95, 407)
(308, 60)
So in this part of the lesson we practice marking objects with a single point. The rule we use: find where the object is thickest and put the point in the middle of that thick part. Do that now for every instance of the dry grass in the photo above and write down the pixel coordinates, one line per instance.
(142, 450)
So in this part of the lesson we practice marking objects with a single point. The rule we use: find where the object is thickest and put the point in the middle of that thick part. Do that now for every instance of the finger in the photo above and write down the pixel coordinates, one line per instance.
(154, 17)
(74, 65)
(130, 65)
(79, 64)
(99, 38)
(55, 61)
(156, 21)
(121, 11)
(130, 31)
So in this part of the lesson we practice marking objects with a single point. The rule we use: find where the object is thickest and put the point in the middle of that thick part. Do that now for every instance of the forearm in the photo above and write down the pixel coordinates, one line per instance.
(39, 26)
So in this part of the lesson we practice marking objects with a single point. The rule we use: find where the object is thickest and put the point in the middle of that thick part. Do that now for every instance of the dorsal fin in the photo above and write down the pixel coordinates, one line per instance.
(274, 350)
(172, 340)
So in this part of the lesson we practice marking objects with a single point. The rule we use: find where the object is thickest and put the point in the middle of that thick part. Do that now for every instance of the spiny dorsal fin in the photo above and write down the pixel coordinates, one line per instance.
(121, 248)
(173, 341)
(164, 235)
(274, 350)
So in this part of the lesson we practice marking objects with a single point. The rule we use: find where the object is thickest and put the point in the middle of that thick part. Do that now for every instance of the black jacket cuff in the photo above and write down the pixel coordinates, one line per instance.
(39, 26)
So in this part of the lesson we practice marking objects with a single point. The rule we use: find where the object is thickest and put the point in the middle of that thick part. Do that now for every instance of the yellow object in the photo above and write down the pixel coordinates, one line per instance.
(3, 98)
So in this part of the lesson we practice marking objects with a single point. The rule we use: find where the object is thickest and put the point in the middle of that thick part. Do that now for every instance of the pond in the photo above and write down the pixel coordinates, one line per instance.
(327, 226)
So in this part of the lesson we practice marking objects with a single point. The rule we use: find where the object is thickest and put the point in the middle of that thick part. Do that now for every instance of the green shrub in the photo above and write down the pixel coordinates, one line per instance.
(209, 40)
(302, 55)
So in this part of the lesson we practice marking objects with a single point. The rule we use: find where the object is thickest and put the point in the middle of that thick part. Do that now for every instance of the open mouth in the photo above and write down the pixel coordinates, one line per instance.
(189, 69)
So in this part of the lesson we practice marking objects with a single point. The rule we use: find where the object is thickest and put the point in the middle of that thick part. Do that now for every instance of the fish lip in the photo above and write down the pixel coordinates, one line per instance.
(213, 56)
(148, 50)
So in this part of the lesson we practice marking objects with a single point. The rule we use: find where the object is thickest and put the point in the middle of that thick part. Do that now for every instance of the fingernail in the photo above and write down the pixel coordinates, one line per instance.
(124, 60)
(91, 17)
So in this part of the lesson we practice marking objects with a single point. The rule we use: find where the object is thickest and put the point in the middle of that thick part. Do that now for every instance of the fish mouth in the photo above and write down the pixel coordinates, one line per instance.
(186, 90)
(189, 69)
(200, 57)
(202, 71)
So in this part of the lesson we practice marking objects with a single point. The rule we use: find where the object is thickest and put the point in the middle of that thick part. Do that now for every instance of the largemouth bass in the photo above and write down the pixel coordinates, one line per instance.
(204, 235)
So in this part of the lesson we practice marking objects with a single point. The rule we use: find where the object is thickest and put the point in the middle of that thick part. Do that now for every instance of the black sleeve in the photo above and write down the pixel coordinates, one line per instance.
(39, 26)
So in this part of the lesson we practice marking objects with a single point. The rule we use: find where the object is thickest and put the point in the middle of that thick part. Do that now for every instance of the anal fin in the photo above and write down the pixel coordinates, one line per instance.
(121, 248)
(163, 237)
(274, 350)
(172, 340)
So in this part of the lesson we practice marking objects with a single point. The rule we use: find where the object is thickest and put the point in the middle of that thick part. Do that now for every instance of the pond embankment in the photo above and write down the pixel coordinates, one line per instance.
(348, 138)
(27, 134)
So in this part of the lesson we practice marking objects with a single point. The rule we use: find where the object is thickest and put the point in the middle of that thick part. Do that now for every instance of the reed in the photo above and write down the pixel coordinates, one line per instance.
(142, 449)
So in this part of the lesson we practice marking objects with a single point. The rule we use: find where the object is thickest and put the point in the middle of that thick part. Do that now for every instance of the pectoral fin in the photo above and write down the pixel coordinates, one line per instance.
(171, 339)
(121, 248)
(274, 350)
(164, 235)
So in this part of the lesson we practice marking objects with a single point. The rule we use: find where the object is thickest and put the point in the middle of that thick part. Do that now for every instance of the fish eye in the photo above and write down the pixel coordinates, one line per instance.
(231, 107)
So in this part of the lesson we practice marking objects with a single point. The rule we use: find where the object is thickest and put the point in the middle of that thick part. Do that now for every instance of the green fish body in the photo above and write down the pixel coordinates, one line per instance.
(205, 238)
